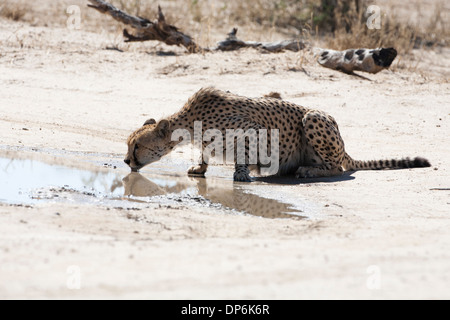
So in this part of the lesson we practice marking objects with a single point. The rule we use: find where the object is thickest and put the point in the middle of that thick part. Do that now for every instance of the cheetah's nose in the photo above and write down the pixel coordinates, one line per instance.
(127, 161)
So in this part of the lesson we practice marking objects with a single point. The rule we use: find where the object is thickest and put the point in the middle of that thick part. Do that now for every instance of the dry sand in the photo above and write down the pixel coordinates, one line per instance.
(378, 234)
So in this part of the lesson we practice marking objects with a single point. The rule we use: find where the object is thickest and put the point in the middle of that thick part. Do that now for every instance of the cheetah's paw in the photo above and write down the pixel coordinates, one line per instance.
(197, 171)
(241, 177)
(304, 172)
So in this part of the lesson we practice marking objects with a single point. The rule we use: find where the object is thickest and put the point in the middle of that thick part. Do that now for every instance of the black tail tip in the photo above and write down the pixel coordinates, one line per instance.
(421, 162)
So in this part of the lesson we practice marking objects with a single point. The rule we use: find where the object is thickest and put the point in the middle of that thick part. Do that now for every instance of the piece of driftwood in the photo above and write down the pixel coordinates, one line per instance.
(367, 60)
(233, 43)
(146, 29)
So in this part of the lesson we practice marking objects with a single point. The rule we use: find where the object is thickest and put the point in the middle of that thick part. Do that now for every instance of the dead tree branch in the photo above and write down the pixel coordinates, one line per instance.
(145, 29)
(233, 43)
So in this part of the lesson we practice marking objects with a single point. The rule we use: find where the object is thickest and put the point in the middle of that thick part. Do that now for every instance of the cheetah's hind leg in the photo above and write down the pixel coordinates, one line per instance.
(325, 147)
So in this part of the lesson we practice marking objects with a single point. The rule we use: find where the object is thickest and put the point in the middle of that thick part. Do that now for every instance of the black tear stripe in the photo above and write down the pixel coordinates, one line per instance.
(136, 161)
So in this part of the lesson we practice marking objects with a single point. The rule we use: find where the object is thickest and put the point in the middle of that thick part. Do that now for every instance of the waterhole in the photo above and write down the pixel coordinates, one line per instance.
(31, 182)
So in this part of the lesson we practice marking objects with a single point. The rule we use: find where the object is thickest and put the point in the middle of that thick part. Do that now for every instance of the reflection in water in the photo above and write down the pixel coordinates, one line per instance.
(229, 195)
(136, 185)
(102, 179)
(236, 198)
(30, 181)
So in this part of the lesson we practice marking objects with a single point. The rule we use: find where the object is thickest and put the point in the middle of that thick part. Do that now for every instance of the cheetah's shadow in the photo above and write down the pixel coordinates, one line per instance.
(291, 180)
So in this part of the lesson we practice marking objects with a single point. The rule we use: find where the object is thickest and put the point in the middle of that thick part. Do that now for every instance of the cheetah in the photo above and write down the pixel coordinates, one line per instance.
(309, 145)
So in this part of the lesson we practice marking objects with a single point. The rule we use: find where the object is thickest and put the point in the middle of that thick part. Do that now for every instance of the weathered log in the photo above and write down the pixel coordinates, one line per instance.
(233, 43)
(367, 60)
(145, 29)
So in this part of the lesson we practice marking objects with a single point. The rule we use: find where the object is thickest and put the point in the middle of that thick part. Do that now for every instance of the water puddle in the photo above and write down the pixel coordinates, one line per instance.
(31, 182)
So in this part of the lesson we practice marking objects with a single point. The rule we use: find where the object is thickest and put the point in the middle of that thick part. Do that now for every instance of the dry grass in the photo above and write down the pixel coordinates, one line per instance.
(337, 24)
(351, 30)
(13, 10)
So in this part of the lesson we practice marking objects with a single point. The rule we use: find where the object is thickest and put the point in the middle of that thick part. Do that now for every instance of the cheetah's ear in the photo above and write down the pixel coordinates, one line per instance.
(149, 121)
(163, 128)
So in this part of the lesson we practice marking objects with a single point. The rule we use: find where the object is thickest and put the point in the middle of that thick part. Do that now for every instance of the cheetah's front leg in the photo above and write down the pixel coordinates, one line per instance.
(241, 167)
(241, 173)
(200, 170)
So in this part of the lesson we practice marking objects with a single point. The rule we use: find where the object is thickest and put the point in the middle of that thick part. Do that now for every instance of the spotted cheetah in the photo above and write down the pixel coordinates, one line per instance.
(310, 144)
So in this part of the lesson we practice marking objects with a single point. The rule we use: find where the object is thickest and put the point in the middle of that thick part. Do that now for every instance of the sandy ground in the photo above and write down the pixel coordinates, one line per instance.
(375, 235)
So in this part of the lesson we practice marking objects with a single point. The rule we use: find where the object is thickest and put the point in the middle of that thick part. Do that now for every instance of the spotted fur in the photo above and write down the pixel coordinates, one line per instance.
(310, 144)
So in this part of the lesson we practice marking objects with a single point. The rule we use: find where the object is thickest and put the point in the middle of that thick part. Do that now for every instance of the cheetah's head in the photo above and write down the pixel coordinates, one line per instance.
(148, 144)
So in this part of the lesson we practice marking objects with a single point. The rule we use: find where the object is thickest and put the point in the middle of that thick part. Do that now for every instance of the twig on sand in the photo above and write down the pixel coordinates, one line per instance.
(232, 43)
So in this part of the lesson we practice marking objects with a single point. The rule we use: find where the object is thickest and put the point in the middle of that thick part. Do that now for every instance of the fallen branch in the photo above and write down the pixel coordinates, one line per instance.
(233, 43)
(367, 60)
(147, 30)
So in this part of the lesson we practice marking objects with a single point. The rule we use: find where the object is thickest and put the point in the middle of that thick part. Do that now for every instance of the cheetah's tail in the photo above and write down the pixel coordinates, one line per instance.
(353, 165)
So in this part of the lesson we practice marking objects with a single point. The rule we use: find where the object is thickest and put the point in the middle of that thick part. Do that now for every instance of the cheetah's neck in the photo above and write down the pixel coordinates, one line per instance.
(180, 120)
